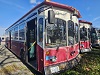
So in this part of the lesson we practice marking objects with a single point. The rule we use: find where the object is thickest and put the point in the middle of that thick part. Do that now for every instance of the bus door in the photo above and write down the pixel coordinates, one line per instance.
(40, 42)
(31, 41)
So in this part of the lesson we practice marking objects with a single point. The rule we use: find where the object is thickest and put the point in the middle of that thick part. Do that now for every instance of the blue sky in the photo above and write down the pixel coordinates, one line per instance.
(12, 10)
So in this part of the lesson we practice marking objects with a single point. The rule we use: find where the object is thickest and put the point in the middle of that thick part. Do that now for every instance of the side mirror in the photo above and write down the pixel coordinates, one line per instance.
(51, 17)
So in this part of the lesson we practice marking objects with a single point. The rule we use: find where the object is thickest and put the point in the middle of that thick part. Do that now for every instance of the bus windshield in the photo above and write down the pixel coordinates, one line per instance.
(83, 34)
(56, 33)
(94, 35)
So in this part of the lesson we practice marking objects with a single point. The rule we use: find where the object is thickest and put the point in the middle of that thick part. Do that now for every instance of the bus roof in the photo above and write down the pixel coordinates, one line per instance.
(70, 8)
(83, 21)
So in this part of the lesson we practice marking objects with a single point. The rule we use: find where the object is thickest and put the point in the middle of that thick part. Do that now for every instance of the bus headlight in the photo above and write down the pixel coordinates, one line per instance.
(53, 58)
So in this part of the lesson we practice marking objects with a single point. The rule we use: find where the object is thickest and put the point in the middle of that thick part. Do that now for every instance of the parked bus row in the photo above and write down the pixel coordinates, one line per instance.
(50, 37)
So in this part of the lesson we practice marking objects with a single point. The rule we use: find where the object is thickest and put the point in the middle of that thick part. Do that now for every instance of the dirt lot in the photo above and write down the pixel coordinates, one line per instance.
(10, 64)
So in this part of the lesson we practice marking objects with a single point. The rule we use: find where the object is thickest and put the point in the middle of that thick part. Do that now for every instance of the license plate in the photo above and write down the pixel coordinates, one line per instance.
(54, 69)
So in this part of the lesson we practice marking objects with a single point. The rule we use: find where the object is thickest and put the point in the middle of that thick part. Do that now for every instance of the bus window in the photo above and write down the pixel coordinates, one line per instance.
(70, 32)
(12, 34)
(76, 33)
(40, 30)
(94, 36)
(16, 33)
(21, 32)
(56, 33)
(89, 36)
(83, 33)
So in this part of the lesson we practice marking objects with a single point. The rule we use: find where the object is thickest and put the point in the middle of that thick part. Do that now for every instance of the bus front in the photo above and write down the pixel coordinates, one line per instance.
(61, 45)
(85, 36)
(95, 37)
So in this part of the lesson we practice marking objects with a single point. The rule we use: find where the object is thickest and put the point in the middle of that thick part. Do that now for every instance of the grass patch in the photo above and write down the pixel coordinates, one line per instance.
(14, 69)
(89, 64)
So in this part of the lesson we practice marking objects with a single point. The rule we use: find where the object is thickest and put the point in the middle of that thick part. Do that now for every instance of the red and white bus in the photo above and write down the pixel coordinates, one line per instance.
(95, 37)
(85, 36)
(46, 37)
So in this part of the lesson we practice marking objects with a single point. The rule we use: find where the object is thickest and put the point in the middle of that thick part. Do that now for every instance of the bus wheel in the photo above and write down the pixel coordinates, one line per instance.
(22, 54)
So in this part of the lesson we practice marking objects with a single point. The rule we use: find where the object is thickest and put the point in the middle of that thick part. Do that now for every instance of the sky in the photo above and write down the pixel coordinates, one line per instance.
(13, 10)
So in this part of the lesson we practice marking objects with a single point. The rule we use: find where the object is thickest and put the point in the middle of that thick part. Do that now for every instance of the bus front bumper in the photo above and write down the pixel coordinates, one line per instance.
(57, 68)
(85, 50)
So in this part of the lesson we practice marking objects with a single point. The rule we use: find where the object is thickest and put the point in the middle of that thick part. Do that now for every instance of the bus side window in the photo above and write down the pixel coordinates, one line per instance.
(21, 32)
(16, 33)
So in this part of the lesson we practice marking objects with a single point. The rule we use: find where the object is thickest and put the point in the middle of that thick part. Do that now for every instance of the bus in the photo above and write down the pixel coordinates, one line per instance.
(85, 36)
(95, 37)
(46, 37)
(2, 40)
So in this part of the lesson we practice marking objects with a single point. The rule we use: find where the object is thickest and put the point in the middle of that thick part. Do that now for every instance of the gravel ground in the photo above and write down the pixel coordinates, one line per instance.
(10, 64)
